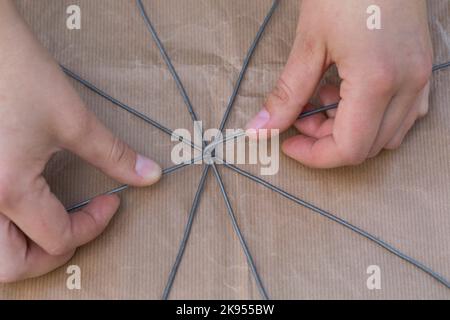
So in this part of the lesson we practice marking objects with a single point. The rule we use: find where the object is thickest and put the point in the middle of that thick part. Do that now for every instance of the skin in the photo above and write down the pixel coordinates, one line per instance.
(384, 91)
(385, 81)
(41, 114)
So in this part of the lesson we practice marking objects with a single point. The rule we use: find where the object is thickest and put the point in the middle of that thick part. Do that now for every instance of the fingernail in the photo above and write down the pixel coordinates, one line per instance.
(147, 168)
(260, 120)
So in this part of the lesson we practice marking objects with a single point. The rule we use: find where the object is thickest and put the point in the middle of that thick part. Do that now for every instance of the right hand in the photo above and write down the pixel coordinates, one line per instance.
(385, 81)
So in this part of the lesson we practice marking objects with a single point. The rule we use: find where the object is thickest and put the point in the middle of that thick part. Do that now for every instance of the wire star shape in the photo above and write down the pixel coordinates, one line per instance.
(207, 167)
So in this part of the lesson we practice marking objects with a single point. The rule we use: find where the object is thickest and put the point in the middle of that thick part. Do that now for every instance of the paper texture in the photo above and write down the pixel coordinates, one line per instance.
(403, 197)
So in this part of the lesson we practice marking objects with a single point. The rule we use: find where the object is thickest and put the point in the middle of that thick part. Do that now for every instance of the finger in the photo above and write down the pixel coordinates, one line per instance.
(398, 138)
(328, 95)
(319, 125)
(424, 103)
(97, 145)
(295, 86)
(316, 126)
(419, 110)
(392, 120)
(395, 115)
(21, 258)
(356, 125)
(40, 215)
(309, 125)
(331, 113)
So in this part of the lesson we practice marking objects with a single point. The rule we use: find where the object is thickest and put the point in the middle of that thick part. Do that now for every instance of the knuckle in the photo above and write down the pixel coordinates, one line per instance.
(59, 248)
(421, 69)
(82, 125)
(3, 196)
(60, 243)
(9, 192)
(353, 156)
(382, 77)
(393, 144)
(8, 277)
(423, 112)
(118, 151)
(282, 91)
(374, 152)
(9, 274)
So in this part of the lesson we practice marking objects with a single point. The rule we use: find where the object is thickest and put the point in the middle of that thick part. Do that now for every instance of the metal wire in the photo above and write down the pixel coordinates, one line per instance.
(246, 63)
(238, 232)
(124, 187)
(195, 118)
(441, 66)
(167, 60)
(287, 195)
(342, 222)
(234, 168)
(186, 234)
(127, 108)
(305, 114)
(318, 110)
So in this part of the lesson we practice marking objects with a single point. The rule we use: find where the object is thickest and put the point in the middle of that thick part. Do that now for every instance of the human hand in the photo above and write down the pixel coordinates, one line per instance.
(385, 81)
(40, 114)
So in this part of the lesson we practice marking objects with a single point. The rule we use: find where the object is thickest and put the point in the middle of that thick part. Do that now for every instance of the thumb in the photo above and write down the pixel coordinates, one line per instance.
(98, 146)
(295, 86)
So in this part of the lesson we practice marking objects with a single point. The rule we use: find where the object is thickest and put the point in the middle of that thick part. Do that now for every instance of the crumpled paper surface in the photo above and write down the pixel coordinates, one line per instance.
(402, 197)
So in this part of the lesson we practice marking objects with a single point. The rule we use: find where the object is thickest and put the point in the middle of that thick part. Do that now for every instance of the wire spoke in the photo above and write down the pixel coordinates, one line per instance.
(167, 60)
(238, 232)
(125, 186)
(441, 66)
(278, 190)
(222, 125)
(170, 66)
(246, 174)
(247, 59)
(194, 117)
(305, 114)
(342, 222)
(127, 108)
(186, 234)
(225, 117)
